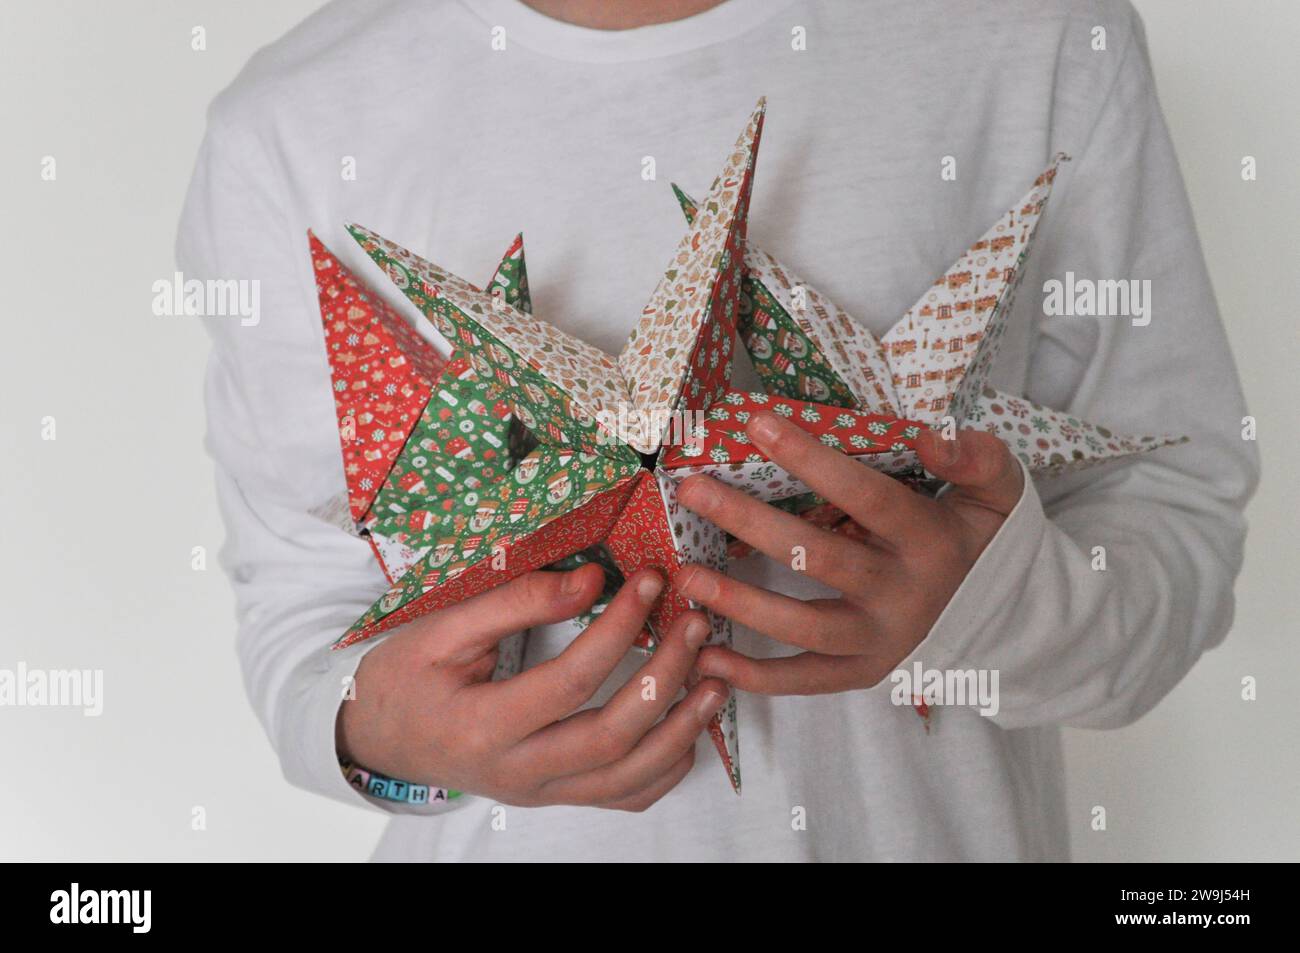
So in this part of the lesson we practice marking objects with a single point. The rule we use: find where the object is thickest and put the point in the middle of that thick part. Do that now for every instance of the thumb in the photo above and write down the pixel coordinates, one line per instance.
(977, 464)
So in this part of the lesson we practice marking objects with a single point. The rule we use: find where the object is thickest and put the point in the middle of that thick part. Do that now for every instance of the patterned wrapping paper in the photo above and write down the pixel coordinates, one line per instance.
(426, 441)
(453, 518)
(382, 372)
(931, 366)
(1049, 441)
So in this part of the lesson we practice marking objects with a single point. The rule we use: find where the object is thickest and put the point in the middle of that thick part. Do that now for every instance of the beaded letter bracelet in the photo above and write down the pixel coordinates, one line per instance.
(381, 786)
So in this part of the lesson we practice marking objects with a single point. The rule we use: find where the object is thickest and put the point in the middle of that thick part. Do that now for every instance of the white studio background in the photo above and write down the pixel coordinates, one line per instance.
(101, 523)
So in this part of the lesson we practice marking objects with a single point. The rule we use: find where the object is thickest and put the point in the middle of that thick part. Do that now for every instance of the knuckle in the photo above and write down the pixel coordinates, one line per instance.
(597, 793)
(623, 618)
(620, 613)
(572, 685)
(476, 742)
(732, 596)
(716, 662)
(945, 549)
(821, 556)
(594, 797)
(539, 794)
(740, 672)
(609, 741)
(728, 503)
(870, 494)
(439, 652)
(840, 635)
(537, 587)
(432, 649)
(990, 456)
(985, 467)
(468, 728)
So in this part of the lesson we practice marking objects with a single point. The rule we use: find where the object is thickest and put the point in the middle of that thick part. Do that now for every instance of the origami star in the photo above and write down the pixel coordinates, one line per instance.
(421, 434)
(608, 429)
(426, 440)
(932, 366)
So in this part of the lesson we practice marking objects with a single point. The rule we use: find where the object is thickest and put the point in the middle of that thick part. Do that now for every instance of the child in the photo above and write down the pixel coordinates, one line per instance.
(897, 132)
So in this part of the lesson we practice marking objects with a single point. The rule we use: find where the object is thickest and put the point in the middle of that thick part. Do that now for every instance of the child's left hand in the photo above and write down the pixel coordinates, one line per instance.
(893, 587)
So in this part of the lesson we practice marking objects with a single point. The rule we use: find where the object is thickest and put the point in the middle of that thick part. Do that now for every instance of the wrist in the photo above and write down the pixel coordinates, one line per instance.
(381, 786)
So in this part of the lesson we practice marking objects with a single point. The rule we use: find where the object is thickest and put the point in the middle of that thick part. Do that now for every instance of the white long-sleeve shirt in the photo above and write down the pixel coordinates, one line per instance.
(457, 144)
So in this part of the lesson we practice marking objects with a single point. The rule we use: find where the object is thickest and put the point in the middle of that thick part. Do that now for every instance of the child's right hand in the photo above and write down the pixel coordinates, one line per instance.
(425, 710)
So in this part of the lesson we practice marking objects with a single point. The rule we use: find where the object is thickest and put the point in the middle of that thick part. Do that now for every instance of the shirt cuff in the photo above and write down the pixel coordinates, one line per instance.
(310, 758)
(998, 576)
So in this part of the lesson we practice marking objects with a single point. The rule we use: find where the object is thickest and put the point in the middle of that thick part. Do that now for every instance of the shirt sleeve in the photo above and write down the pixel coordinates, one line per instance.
(299, 579)
(1074, 643)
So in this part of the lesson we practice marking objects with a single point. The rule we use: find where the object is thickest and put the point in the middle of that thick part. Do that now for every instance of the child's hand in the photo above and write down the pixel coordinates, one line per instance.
(894, 586)
(425, 710)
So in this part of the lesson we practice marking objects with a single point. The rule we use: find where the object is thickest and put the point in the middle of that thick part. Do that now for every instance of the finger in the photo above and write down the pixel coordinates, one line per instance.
(649, 795)
(881, 504)
(823, 625)
(598, 736)
(978, 464)
(809, 673)
(632, 712)
(653, 757)
(481, 669)
(836, 561)
(549, 691)
(460, 633)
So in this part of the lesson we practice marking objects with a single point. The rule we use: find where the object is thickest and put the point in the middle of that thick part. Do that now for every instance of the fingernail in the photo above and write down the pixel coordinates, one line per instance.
(697, 630)
(571, 583)
(708, 705)
(696, 584)
(763, 426)
(700, 496)
(649, 586)
(945, 450)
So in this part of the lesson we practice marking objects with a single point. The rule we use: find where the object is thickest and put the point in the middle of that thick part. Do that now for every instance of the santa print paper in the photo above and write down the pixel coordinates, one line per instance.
(458, 445)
